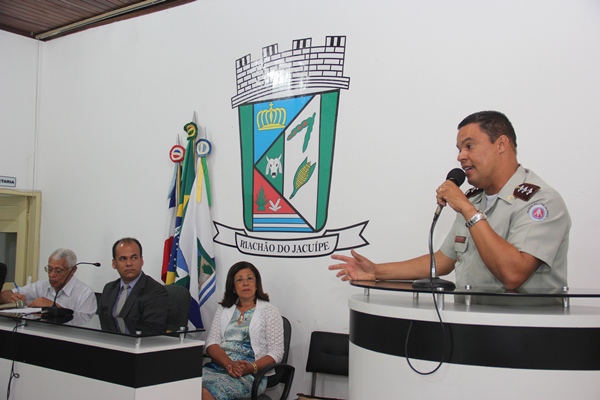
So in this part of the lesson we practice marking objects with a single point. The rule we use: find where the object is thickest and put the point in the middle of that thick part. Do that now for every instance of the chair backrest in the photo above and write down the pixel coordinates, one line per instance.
(179, 305)
(98, 296)
(284, 373)
(275, 379)
(328, 354)
(3, 273)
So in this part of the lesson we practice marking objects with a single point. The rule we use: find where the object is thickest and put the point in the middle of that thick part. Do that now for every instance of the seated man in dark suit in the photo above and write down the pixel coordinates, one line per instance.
(135, 297)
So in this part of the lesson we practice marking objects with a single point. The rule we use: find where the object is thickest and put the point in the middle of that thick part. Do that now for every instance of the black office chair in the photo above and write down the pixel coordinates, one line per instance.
(3, 273)
(98, 296)
(179, 305)
(284, 373)
(328, 354)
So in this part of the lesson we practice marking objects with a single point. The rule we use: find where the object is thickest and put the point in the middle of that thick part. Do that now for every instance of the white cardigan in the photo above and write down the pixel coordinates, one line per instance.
(266, 330)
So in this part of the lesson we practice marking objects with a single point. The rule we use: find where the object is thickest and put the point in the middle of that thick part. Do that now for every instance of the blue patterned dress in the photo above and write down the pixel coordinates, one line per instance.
(237, 346)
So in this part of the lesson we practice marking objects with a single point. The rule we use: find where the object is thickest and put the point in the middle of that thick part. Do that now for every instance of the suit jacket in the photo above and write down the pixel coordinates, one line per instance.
(147, 304)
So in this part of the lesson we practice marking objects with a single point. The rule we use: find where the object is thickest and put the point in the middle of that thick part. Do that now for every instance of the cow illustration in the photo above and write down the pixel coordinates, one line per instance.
(274, 166)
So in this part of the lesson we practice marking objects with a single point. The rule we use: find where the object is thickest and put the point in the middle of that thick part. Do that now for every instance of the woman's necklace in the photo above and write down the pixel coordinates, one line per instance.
(242, 310)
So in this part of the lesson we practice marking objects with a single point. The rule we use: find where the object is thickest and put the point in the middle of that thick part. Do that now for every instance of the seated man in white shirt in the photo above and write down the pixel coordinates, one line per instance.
(69, 291)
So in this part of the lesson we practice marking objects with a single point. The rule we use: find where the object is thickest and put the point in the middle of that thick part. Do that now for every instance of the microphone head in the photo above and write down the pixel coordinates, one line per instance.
(457, 176)
(19, 304)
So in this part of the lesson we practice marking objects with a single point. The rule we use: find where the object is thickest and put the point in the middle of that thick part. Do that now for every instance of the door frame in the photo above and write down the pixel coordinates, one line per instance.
(28, 265)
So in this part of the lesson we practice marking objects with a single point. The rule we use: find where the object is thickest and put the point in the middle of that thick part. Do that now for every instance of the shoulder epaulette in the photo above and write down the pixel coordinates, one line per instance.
(473, 192)
(525, 190)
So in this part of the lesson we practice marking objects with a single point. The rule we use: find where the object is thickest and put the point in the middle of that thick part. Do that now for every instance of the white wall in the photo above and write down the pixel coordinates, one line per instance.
(18, 84)
(114, 98)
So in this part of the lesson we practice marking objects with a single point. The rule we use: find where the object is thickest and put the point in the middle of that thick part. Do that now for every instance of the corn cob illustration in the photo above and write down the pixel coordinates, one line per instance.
(303, 174)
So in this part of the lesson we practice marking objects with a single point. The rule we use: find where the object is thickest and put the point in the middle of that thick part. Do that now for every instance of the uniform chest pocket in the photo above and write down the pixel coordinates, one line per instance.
(461, 243)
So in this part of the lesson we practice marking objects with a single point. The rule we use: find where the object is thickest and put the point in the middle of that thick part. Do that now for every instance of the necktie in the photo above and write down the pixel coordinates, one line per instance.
(122, 300)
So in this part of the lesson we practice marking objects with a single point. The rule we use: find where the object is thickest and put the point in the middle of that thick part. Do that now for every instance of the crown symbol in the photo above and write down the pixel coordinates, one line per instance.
(273, 118)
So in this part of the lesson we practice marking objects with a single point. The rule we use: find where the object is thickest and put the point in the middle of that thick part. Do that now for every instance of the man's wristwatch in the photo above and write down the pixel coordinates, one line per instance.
(479, 216)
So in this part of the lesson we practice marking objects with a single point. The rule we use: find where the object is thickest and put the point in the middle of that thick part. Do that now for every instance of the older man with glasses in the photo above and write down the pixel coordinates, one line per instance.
(61, 285)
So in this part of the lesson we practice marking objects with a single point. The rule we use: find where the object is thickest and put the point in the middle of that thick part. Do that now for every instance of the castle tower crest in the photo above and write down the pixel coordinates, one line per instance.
(303, 69)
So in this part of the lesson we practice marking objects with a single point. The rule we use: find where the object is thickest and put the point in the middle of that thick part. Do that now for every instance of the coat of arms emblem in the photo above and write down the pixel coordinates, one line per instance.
(287, 105)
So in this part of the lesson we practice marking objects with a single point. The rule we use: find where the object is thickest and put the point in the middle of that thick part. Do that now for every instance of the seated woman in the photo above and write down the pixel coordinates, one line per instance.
(246, 335)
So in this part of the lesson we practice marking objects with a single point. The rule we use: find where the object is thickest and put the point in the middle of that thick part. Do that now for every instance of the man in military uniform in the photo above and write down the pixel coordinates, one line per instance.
(511, 229)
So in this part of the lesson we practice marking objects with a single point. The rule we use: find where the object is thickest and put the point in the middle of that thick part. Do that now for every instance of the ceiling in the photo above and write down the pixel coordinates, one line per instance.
(49, 19)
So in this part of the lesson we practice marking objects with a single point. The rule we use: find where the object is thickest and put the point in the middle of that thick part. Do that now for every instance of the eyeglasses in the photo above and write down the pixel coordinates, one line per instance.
(249, 279)
(57, 271)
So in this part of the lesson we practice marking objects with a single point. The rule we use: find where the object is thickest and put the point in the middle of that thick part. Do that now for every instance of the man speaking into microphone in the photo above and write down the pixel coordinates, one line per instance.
(62, 286)
(511, 229)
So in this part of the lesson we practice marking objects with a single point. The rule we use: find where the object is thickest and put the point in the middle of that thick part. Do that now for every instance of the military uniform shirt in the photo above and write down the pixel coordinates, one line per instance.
(538, 226)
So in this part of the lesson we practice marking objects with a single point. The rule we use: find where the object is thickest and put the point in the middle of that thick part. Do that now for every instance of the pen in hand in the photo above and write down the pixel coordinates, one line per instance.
(19, 296)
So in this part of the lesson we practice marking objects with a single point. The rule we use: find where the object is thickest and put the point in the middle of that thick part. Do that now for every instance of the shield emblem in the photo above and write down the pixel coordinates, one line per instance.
(287, 154)
(287, 105)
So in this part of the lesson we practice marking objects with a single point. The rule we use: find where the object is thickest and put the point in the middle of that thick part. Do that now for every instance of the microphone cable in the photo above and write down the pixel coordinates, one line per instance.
(433, 293)
(13, 374)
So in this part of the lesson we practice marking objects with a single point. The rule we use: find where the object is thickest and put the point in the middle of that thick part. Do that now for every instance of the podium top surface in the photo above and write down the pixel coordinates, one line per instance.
(406, 286)
(124, 327)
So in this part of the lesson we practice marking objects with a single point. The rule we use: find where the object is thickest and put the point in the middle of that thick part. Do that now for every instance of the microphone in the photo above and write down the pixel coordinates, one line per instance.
(54, 311)
(96, 264)
(457, 176)
(14, 304)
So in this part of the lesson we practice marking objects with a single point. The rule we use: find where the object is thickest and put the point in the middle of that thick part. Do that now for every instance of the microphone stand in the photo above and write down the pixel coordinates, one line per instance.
(433, 282)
